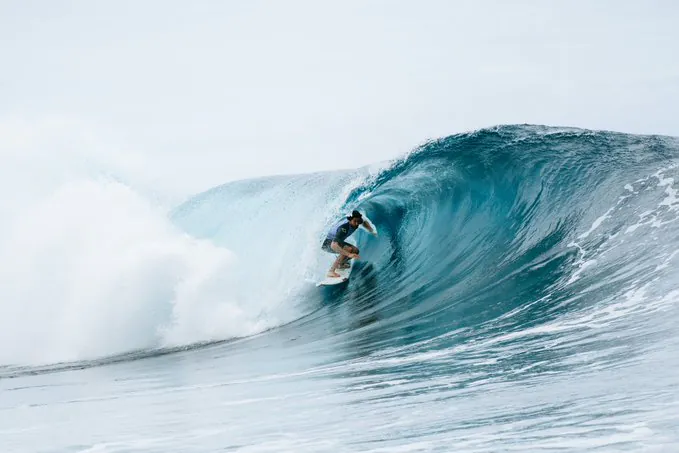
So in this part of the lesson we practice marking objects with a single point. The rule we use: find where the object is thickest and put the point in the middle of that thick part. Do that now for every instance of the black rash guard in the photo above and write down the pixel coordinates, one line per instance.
(343, 231)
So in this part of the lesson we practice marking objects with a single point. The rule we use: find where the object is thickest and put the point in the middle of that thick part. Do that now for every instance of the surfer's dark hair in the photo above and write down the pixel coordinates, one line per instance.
(356, 215)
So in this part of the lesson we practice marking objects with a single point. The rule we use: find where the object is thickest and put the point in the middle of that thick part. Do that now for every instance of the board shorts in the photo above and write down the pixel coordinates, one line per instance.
(327, 248)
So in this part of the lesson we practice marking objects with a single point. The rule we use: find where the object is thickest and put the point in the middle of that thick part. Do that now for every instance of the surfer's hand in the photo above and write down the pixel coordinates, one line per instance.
(355, 256)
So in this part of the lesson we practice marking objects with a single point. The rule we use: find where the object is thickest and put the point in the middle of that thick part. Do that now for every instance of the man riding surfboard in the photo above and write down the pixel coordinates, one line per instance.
(335, 241)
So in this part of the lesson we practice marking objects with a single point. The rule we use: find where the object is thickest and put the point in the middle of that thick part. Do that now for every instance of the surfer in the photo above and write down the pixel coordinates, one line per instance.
(335, 241)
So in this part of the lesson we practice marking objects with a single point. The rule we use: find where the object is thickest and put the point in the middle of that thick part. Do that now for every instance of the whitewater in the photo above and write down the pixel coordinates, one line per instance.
(521, 296)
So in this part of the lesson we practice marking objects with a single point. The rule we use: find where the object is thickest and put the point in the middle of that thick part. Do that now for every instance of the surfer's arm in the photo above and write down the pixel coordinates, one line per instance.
(368, 227)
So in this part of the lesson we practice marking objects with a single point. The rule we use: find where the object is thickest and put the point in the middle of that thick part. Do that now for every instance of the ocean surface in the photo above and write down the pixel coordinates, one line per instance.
(522, 295)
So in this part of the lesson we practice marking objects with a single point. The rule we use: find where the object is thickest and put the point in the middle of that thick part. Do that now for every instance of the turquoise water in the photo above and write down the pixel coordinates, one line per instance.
(521, 296)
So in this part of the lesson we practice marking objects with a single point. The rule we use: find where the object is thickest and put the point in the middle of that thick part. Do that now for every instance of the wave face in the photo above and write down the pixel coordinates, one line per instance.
(501, 231)
(524, 284)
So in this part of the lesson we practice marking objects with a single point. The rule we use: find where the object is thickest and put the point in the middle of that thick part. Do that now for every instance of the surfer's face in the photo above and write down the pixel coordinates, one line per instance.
(355, 222)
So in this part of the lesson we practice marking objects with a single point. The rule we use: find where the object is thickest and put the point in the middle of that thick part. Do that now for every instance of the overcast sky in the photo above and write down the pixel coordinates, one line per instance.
(201, 92)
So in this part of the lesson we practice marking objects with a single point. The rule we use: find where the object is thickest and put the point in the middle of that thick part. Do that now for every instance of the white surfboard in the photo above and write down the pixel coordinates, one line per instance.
(344, 276)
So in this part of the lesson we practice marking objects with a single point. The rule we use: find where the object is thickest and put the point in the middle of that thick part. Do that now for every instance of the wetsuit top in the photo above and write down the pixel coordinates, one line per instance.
(340, 231)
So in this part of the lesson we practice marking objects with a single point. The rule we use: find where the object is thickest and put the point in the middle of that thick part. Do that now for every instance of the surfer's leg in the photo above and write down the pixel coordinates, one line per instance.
(333, 269)
(343, 258)
(344, 264)
(338, 261)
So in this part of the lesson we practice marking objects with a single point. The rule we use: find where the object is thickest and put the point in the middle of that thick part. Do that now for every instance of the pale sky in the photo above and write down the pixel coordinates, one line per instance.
(197, 93)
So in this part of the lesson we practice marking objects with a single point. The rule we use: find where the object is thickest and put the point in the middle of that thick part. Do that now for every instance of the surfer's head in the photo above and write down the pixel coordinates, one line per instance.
(355, 219)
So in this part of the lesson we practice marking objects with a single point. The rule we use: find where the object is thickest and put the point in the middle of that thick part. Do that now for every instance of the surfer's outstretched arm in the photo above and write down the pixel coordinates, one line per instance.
(368, 227)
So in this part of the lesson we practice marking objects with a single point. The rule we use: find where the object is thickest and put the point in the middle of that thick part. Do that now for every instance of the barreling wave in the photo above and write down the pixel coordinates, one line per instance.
(503, 233)
(522, 233)
(503, 238)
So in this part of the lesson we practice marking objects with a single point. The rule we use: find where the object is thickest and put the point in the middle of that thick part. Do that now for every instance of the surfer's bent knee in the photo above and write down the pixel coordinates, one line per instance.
(351, 249)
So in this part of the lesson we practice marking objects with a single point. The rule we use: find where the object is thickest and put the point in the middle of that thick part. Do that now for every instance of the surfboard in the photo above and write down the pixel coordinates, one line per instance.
(344, 276)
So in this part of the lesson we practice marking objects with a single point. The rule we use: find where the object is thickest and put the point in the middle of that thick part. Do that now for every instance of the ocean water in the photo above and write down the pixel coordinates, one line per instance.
(521, 296)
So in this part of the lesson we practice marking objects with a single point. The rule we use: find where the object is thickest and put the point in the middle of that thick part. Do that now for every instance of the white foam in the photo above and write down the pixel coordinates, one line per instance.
(666, 262)
(654, 218)
(91, 266)
(597, 223)
(582, 267)
(93, 270)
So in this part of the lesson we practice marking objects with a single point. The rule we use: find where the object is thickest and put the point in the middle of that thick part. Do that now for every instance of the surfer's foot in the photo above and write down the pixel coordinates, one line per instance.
(333, 274)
